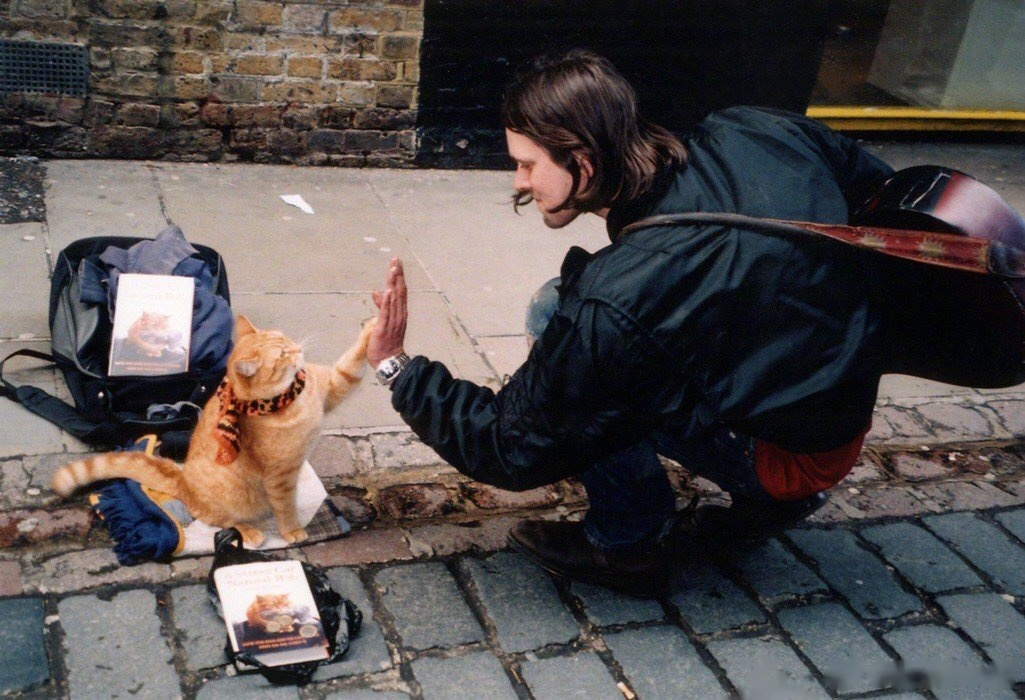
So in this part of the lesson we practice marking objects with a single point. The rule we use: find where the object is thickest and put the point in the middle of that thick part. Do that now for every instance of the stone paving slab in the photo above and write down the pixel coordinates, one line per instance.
(995, 625)
(525, 607)
(366, 694)
(842, 650)
(239, 212)
(581, 676)
(766, 668)
(22, 644)
(427, 606)
(201, 631)
(452, 678)
(101, 198)
(368, 652)
(946, 663)
(856, 574)
(985, 546)
(709, 602)
(660, 662)
(920, 557)
(1014, 521)
(24, 269)
(604, 607)
(115, 647)
(248, 686)
(776, 573)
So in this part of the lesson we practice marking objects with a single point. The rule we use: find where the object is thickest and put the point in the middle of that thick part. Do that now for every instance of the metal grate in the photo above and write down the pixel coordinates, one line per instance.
(34, 66)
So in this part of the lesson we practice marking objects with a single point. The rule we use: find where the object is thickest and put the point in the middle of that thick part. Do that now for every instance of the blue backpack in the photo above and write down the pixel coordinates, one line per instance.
(111, 411)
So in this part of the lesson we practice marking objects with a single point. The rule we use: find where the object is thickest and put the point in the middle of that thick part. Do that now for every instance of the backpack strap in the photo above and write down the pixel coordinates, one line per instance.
(59, 412)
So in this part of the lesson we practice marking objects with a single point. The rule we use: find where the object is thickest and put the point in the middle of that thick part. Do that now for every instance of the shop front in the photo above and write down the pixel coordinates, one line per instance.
(952, 65)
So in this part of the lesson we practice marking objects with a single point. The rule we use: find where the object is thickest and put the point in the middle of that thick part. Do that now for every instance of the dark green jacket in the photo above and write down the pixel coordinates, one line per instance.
(682, 328)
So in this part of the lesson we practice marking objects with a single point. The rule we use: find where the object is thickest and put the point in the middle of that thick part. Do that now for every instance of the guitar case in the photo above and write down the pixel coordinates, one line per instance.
(949, 325)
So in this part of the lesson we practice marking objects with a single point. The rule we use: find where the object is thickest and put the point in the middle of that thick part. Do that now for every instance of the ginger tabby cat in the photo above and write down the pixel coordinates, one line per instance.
(271, 613)
(251, 441)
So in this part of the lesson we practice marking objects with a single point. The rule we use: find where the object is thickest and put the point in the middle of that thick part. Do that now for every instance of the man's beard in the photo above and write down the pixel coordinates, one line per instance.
(558, 219)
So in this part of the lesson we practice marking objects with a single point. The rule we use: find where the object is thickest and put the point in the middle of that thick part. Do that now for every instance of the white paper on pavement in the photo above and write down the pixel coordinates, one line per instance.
(296, 200)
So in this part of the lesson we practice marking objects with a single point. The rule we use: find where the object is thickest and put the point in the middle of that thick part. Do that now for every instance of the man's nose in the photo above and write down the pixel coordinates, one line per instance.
(521, 183)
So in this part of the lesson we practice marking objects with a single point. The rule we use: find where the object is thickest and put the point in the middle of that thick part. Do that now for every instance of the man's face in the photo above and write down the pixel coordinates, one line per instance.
(547, 182)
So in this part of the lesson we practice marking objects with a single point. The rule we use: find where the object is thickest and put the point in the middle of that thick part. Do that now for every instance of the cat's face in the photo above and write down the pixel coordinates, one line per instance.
(152, 321)
(263, 363)
(273, 602)
(272, 612)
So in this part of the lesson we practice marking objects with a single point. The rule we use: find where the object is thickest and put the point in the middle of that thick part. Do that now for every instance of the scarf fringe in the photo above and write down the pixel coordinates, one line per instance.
(141, 529)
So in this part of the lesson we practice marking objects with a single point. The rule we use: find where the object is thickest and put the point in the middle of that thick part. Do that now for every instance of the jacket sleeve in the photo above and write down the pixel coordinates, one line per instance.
(560, 412)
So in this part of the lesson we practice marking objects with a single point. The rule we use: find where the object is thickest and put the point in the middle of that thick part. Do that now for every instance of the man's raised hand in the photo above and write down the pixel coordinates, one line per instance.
(390, 332)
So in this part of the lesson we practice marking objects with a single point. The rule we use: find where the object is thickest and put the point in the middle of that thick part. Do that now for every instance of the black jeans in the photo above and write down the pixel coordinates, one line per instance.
(629, 492)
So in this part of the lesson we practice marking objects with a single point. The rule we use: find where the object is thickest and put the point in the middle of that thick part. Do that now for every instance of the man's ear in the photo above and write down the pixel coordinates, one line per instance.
(243, 326)
(584, 163)
(246, 368)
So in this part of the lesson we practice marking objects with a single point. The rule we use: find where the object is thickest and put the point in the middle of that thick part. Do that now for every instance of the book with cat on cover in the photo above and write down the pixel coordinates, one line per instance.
(152, 325)
(270, 612)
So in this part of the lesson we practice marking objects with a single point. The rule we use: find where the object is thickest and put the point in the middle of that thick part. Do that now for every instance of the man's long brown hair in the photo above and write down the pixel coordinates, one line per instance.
(578, 105)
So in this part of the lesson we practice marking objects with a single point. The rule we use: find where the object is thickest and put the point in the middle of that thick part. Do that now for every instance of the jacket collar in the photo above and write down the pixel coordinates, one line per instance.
(625, 213)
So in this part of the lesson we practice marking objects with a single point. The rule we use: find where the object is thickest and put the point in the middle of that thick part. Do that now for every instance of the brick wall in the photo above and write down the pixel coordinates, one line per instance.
(302, 81)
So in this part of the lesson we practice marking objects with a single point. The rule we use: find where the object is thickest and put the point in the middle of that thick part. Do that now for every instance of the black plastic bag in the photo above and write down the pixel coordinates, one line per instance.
(340, 617)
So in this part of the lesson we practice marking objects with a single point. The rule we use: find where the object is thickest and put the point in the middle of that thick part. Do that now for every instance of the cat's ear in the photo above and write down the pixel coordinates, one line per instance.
(246, 368)
(243, 326)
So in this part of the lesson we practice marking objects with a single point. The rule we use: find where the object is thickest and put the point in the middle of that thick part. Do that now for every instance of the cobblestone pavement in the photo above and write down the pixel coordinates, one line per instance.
(910, 582)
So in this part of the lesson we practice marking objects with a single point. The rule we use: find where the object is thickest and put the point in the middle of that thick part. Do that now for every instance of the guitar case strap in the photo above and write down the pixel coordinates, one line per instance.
(953, 251)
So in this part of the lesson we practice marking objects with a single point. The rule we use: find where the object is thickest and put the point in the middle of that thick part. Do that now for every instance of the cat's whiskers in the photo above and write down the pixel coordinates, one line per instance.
(304, 343)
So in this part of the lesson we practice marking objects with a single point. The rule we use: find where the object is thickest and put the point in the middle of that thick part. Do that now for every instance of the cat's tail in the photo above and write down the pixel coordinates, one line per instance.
(156, 473)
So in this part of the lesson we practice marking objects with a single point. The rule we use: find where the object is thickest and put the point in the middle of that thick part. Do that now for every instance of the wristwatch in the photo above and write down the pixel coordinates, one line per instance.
(389, 368)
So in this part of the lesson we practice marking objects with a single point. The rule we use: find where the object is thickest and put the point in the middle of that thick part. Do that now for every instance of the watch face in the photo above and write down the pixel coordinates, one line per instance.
(390, 368)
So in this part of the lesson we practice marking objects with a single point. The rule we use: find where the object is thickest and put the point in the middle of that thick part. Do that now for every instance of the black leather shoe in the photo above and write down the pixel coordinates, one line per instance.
(746, 522)
(562, 548)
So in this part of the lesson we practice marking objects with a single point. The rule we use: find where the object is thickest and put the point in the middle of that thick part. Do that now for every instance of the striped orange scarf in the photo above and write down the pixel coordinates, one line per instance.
(227, 431)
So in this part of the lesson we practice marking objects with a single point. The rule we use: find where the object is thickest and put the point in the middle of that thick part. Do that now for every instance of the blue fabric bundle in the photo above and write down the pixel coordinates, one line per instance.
(141, 529)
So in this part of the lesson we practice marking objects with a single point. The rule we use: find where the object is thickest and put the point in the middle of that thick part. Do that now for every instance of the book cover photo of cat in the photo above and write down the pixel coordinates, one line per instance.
(272, 619)
(251, 441)
(152, 325)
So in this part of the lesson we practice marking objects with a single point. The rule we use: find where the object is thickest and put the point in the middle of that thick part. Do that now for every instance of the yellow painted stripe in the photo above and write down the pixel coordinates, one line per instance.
(918, 118)
(914, 112)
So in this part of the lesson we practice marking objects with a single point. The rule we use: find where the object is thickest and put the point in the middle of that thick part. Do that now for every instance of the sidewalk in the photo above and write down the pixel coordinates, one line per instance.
(916, 568)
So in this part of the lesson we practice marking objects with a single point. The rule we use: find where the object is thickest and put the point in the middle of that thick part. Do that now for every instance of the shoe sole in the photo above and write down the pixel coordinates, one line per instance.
(654, 591)
(775, 531)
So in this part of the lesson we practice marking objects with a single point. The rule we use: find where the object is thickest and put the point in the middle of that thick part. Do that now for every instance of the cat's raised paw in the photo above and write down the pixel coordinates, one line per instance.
(293, 536)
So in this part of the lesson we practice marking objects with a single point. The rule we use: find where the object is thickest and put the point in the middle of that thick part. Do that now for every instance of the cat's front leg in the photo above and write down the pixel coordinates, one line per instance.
(348, 370)
(281, 493)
